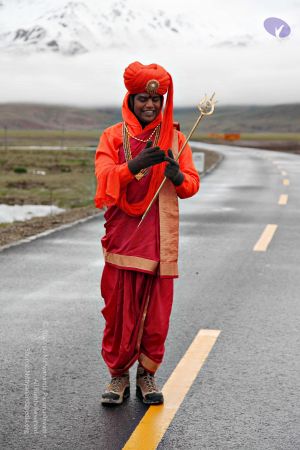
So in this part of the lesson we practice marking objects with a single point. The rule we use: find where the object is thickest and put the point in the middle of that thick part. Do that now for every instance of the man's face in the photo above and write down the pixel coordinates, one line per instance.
(146, 107)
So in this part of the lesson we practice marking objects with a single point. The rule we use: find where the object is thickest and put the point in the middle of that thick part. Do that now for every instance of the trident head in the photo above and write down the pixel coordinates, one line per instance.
(207, 105)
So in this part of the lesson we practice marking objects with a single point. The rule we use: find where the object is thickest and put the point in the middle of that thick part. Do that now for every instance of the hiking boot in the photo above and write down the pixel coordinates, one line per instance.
(146, 388)
(117, 390)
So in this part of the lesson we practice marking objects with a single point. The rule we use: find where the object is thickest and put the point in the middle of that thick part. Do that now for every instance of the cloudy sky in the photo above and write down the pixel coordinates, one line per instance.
(224, 48)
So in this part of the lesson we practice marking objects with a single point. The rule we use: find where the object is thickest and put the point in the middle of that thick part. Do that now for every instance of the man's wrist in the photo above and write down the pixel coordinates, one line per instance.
(178, 180)
(133, 167)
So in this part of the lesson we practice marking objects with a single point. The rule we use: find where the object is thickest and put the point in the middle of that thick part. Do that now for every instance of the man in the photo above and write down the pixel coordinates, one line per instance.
(140, 262)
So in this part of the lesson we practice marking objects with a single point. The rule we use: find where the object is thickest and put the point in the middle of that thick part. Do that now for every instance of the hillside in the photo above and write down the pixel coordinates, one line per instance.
(244, 119)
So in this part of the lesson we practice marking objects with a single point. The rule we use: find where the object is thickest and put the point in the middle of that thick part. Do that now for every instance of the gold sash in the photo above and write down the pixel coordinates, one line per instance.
(169, 223)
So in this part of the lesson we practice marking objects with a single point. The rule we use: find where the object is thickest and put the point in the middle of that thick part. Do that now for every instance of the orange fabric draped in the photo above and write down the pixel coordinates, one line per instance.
(112, 179)
(164, 142)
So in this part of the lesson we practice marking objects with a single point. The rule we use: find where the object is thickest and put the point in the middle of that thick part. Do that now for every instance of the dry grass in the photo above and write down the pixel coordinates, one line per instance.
(77, 139)
(68, 181)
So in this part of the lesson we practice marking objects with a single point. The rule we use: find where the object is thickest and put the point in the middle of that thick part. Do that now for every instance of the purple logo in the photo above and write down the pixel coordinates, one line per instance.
(277, 27)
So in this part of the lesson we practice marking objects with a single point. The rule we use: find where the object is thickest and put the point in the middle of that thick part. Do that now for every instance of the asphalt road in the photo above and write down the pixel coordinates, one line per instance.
(246, 396)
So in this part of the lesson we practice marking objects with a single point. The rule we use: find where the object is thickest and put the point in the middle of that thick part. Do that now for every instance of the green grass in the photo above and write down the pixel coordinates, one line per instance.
(59, 138)
(69, 181)
(35, 134)
(77, 139)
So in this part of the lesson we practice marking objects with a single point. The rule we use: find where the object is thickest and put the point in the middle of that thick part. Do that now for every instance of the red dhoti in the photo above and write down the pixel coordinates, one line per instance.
(128, 335)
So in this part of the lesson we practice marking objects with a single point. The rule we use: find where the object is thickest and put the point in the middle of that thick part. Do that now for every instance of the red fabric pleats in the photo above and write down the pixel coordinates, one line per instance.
(125, 294)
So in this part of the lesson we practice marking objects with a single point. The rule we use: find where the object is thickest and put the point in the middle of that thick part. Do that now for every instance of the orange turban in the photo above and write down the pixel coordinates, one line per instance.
(137, 77)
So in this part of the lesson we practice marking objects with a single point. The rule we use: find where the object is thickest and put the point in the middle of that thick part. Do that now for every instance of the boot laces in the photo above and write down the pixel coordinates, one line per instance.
(150, 381)
(116, 384)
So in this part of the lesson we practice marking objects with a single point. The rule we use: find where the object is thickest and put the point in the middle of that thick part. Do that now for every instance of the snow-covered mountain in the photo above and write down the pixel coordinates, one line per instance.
(207, 46)
(75, 27)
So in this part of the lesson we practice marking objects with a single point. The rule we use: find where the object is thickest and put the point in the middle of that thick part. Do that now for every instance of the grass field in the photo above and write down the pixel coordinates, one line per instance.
(78, 139)
(64, 178)
(68, 180)
(59, 138)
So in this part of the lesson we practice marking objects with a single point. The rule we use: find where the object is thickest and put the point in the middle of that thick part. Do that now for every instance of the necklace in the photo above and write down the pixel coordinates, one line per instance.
(127, 149)
(138, 139)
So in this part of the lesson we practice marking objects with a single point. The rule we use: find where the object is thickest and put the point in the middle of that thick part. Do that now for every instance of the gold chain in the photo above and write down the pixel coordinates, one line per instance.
(138, 139)
(127, 149)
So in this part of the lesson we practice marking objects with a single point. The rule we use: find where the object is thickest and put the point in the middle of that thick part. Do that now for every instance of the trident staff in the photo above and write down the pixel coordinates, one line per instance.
(206, 108)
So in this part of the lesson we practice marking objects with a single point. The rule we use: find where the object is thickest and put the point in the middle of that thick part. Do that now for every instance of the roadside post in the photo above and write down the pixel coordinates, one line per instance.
(199, 160)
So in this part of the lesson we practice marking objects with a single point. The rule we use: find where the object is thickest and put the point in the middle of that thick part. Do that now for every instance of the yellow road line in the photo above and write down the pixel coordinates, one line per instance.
(283, 199)
(265, 239)
(283, 172)
(155, 422)
(286, 182)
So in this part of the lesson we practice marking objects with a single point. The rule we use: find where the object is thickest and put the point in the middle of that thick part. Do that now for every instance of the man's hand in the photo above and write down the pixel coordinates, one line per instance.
(146, 158)
(172, 170)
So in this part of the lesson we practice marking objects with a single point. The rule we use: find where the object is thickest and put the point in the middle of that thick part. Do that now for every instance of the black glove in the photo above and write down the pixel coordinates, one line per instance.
(146, 158)
(172, 170)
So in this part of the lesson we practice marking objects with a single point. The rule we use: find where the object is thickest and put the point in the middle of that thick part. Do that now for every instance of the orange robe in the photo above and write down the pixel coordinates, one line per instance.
(112, 176)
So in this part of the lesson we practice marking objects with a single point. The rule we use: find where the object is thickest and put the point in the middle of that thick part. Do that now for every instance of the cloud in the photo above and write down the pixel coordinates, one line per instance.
(246, 65)
(232, 44)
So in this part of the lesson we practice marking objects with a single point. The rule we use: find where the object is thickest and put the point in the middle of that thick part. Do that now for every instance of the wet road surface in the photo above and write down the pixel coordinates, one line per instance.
(246, 395)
